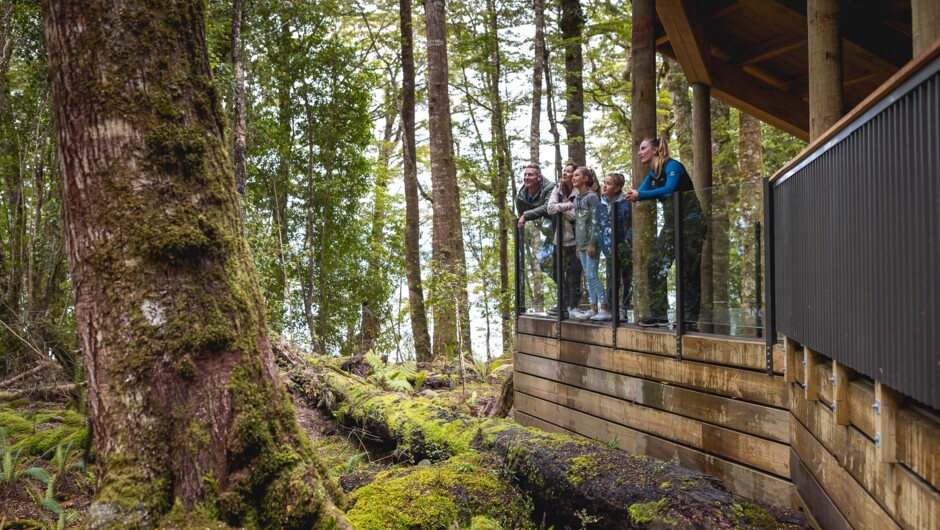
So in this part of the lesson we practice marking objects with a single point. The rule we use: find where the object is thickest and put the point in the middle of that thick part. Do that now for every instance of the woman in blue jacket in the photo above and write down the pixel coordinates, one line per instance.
(667, 176)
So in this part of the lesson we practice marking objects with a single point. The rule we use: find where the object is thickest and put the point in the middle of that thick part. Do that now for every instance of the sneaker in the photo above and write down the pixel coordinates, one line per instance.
(602, 315)
(585, 315)
(573, 312)
(650, 322)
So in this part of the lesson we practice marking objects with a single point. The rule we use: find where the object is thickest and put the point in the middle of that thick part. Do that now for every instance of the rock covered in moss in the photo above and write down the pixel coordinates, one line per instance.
(463, 491)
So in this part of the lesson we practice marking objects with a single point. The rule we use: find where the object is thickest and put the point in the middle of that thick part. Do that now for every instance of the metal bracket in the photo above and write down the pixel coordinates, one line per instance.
(833, 406)
(877, 406)
(877, 439)
(832, 379)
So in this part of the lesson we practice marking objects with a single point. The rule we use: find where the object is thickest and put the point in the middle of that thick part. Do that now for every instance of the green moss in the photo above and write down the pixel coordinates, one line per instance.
(17, 427)
(458, 491)
(483, 522)
(664, 486)
(649, 512)
(753, 515)
(176, 149)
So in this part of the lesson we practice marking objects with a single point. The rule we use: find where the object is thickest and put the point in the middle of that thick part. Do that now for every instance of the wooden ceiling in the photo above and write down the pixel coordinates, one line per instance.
(753, 53)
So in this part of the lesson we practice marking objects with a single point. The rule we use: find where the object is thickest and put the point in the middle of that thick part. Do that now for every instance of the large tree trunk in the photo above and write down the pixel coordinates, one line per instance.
(416, 309)
(572, 23)
(183, 390)
(643, 95)
(569, 479)
(449, 269)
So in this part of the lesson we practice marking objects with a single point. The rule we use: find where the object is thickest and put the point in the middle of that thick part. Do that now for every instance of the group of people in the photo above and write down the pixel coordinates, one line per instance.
(597, 219)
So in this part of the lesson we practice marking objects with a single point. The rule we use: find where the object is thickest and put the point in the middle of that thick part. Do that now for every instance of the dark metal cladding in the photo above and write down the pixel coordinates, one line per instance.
(856, 244)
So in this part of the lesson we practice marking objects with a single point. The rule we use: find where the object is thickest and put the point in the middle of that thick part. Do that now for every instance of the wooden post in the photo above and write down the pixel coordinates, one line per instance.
(886, 405)
(925, 23)
(702, 178)
(791, 353)
(811, 360)
(643, 93)
(825, 65)
(840, 391)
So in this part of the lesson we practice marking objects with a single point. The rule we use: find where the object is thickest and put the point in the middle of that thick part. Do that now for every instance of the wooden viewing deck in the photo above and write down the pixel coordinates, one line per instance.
(797, 439)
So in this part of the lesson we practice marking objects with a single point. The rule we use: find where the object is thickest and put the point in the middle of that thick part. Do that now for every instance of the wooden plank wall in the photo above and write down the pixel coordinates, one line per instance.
(794, 439)
(716, 411)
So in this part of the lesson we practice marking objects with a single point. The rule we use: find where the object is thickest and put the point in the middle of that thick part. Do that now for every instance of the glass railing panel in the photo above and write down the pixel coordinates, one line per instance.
(538, 262)
(653, 253)
(722, 229)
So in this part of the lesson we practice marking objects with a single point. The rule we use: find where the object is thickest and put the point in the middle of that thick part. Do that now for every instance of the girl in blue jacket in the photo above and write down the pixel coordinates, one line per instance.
(667, 176)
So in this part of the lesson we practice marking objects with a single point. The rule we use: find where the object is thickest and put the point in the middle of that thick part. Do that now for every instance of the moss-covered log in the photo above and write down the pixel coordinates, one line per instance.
(569, 479)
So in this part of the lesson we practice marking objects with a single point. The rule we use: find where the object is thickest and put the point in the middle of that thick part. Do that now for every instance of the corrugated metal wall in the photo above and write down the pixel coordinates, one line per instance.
(857, 243)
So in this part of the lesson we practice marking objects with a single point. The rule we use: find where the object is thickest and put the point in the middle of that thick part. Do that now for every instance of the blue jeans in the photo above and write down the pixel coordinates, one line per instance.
(595, 288)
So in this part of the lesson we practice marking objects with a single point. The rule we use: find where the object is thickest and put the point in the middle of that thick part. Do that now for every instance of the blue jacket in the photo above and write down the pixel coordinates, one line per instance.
(661, 187)
(602, 221)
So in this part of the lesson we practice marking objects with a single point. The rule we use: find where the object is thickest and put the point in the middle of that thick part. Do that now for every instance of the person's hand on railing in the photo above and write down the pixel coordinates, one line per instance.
(522, 221)
(631, 195)
(591, 251)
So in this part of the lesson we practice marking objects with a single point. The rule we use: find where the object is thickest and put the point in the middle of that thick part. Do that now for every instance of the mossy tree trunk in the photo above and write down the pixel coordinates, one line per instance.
(183, 390)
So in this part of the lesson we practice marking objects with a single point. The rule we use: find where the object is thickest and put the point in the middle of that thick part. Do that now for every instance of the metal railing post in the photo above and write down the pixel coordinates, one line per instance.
(770, 333)
(680, 275)
(613, 275)
(560, 271)
(520, 295)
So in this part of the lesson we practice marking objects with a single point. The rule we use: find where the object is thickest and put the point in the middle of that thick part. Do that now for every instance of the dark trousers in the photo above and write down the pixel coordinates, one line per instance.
(571, 277)
(625, 271)
(663, 255)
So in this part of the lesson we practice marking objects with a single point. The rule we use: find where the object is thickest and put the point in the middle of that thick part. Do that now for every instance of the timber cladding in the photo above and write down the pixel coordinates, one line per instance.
(717, 411)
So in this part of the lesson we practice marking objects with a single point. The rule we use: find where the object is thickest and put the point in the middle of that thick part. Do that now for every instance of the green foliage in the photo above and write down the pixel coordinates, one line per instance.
(10, 461)
(391, 377)
(488, 369)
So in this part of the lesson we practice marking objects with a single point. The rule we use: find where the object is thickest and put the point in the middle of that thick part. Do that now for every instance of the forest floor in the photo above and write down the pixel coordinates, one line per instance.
(44, 430)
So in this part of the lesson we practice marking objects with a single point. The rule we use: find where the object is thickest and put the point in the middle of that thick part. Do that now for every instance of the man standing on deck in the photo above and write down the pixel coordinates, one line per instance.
(532, 205)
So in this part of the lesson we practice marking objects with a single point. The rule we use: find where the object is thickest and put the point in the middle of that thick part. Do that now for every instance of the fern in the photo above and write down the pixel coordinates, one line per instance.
(9, 461)
(391, 377)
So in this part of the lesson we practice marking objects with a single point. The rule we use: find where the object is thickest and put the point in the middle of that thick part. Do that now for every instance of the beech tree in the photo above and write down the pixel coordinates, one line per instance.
(182, 386)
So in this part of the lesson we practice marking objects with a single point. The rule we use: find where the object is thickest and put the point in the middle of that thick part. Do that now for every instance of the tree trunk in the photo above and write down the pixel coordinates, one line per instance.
(572, 23)
(682, 112)
(569, 479)
(824, 42)
(752, 171)
(238, 103)
(723, 198)
(500, 183)
(537, 69)
(371, 317)
(449, 269)
(416, 308)
(643, 95)
(183, 390)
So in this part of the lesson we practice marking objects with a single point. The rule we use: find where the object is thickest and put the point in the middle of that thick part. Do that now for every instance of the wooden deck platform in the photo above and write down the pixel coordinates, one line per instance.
(717, 411)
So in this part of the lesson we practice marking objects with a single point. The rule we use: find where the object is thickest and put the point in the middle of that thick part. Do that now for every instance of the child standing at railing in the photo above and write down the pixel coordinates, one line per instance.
(585, 202)
(614, 208)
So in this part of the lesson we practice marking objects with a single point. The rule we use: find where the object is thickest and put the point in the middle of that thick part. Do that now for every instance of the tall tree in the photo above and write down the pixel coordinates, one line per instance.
(751, 159)
(681, 111)
(238, 98)
(450, 301)
(538, 66)
(572, 25)
(183, 390)
(416, 308)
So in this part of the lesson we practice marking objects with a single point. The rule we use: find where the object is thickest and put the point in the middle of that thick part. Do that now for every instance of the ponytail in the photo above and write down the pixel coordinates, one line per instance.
(662, 154)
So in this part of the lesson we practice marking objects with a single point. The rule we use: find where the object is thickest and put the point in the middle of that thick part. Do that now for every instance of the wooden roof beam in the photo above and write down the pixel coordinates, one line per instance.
(687, 38)
(760, 99)
(771, 48)
(864, 41)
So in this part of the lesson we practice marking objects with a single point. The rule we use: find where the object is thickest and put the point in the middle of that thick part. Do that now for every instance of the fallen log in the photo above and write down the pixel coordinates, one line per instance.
(570, 480)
